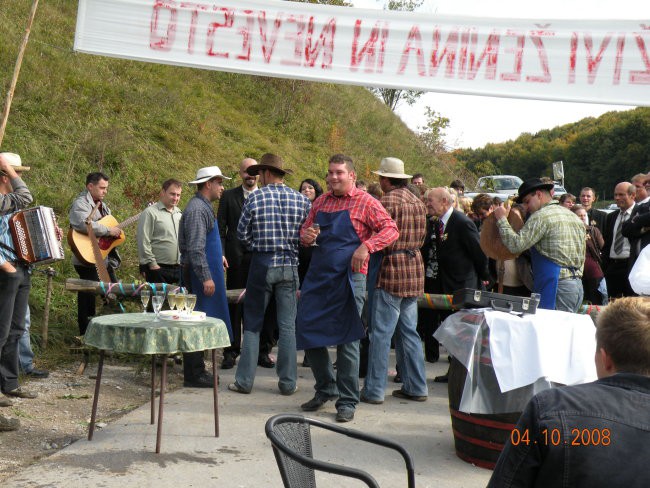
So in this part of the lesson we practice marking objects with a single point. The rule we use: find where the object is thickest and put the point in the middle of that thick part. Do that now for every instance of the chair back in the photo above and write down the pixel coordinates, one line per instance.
(296, 437)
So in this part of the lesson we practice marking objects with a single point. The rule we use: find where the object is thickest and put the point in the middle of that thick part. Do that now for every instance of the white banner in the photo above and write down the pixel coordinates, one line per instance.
(571, 60)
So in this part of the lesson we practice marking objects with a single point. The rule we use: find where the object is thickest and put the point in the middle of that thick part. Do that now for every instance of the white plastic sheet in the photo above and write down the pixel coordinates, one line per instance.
(640, 273)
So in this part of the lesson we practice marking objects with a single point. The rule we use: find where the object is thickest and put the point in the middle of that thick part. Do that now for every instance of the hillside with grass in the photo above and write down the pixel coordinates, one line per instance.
(142, 123)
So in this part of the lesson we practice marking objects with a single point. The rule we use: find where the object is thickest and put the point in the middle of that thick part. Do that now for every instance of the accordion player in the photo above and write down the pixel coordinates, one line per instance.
(35, 238)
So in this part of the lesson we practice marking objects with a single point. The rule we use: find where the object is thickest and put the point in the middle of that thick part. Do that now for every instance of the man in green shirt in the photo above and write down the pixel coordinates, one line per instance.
(556, 238)
(158, 236)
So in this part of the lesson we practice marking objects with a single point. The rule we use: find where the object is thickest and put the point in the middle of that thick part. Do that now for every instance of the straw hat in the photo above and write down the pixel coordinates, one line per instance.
(205, 174)
(392, 168)
(491, 242)
(15, 161)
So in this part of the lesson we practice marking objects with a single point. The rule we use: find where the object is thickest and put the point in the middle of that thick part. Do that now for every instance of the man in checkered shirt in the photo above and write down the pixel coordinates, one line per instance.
(269, 226)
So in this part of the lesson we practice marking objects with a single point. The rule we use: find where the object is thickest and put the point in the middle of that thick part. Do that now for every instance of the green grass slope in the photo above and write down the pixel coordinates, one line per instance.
(142, 123)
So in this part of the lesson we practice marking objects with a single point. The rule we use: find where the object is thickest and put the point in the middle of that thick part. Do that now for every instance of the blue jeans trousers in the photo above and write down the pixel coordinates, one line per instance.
(569, 295)
(392, 314)
(281, 281)
(25, 353)
(345, 384)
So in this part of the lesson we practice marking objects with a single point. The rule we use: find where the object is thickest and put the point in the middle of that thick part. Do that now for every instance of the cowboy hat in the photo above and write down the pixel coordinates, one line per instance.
(15, 161)
(205, 174)
(530, 186)
(269, 161)
(392, 168)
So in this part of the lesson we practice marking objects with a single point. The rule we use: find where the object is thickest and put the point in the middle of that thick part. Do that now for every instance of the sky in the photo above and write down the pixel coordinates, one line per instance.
(475, 120)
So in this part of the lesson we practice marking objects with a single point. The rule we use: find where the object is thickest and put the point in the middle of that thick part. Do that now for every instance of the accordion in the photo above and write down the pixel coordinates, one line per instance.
(34, 234)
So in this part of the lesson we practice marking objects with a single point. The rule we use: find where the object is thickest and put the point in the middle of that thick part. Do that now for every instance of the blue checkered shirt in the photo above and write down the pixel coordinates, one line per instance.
(270, 222)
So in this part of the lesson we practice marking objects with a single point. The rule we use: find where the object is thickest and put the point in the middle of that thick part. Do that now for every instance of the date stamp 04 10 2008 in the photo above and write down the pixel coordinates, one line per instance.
(553, 437)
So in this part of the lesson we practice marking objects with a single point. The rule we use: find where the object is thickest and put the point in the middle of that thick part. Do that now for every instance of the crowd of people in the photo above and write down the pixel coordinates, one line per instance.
(360, 254)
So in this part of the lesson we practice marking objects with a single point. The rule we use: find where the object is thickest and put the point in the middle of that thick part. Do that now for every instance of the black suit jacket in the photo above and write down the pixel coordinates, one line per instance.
(608, 234)
(462, 263)
(597, 218)
(637, 230)
(230, 208)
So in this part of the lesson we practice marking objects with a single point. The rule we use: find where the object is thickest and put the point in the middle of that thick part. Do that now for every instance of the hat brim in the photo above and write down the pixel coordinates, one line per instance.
(532, 189)
(207, 178)
(399, 176)
(255, 169)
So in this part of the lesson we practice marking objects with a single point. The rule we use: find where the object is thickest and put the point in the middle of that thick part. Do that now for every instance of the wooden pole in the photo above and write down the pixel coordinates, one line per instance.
(14, 79)
(48, 300)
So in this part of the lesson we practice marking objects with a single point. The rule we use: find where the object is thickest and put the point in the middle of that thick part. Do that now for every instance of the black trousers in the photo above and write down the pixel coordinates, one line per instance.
(616, 276)
(86, 301)
(14, 295)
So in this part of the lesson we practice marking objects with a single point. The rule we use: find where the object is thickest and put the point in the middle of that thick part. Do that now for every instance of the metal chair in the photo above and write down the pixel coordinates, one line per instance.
(290, 436)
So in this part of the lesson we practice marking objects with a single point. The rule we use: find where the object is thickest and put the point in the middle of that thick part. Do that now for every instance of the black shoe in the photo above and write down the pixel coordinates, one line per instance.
(344, 415)
(204, 380)
(265, 361)
(431, 358)
(405, 396)
(305, 363)
(38, 373)
(371, 401)
(441, 379)
(397, 378)
(316, 403)
(229, 360)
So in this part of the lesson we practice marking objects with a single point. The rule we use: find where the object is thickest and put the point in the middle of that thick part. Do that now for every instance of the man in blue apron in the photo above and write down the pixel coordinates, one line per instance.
(556, 239)
(352, 224)
(203, 264)
(269, 226)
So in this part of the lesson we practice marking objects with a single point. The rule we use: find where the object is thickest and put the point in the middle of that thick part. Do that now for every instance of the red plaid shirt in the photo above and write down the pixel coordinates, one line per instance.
(369, 218)
(402, 270)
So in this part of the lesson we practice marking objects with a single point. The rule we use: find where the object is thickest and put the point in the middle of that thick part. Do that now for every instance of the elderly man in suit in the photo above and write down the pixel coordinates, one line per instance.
(461, 262)
(618, 249)
(637, 229)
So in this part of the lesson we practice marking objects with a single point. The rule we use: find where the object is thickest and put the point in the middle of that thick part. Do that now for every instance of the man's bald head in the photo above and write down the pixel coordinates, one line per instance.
(248, 182)
(438, 201)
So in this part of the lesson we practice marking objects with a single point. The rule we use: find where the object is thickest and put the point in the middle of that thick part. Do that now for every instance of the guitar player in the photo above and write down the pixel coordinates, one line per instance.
(82, 206)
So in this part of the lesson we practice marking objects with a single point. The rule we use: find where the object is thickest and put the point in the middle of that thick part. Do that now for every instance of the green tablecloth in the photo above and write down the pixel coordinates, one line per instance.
(137, 333)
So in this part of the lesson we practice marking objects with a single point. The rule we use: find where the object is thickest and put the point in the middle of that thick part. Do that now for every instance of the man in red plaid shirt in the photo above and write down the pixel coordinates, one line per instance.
(345, 225)
(399, 284)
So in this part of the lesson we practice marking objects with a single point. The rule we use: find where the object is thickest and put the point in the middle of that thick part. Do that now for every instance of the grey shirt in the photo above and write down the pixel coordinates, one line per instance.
(158, 235)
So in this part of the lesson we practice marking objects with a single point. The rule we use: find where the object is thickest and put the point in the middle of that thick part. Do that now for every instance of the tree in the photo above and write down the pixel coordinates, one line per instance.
(392, 97)
(432, 133)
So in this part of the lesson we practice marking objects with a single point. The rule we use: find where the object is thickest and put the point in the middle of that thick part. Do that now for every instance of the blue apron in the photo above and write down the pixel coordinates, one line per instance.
(327, 312)
(256, 291)
(546, 275)
(374, 265)
(217, 304)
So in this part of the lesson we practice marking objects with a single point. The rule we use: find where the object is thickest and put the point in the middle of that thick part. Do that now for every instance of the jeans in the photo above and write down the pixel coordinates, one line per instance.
(395, 314)
(569, 295)
(281, 281)
(25, 353)
(345, 384)
(13, 303)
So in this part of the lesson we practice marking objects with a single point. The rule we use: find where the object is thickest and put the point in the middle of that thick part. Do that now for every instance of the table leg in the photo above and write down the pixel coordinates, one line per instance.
(98, 380)
(215, 374)
(153, 389)
(161, 401)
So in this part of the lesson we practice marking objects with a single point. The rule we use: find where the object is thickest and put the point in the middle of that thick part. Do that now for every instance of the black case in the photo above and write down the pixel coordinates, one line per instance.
(469, 298)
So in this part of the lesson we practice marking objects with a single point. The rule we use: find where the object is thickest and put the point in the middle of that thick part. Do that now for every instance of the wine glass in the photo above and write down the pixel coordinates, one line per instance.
(171, 300)
(316, 227)
(144, 298)
(157, 302)
(190, 302)
(180, 302)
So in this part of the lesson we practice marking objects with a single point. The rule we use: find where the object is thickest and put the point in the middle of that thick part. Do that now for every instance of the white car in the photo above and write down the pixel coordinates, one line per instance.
(501, 184)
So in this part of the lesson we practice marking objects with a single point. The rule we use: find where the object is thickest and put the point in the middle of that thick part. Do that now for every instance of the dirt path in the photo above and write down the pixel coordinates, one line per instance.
(61, 413)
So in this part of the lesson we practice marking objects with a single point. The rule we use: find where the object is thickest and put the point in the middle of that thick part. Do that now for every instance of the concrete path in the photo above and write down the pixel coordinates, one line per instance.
(122, 453)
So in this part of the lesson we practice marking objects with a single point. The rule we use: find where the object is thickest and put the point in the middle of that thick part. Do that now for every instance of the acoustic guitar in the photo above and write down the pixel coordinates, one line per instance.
(82, 247)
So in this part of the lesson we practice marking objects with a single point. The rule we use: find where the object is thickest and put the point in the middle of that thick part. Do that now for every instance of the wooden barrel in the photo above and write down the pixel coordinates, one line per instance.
(478, 438)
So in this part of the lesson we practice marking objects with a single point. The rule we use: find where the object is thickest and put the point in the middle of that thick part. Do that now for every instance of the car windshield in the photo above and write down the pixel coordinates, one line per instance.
(506, 183)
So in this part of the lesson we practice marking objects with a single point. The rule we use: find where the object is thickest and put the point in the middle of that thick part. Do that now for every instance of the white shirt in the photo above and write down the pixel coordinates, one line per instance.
(248, 192)
(625, 252)
(445, 218)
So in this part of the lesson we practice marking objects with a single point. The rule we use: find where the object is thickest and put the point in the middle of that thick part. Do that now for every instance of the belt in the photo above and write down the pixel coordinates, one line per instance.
(619, 260)
(169, 266)
(410, 252)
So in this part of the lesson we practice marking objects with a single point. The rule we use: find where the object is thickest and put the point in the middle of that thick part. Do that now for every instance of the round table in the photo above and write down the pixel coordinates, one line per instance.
(140, 333)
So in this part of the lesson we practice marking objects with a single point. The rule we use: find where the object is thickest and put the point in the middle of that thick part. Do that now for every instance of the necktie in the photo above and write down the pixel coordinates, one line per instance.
(440, 228)
(618, 240)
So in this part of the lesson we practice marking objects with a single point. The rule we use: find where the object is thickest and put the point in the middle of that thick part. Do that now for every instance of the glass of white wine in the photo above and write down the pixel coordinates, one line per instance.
(171, 300)
(144, 298)
(180, 302)
(190, 303)
(157, 302)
